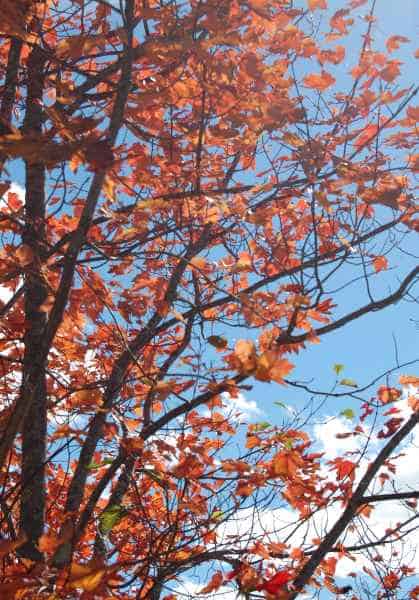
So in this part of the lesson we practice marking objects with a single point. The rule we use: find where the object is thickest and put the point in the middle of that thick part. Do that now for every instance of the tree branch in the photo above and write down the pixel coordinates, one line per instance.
(371, 307)
(386, 497)
(354, 503)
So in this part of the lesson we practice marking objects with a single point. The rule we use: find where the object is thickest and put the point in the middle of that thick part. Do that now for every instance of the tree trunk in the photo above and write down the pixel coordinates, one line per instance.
(33, 388)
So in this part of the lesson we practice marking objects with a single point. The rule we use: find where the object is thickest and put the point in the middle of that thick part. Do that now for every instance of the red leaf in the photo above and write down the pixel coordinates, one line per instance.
(345, 468)
(273, 585)
(99, 154)
(391, 581)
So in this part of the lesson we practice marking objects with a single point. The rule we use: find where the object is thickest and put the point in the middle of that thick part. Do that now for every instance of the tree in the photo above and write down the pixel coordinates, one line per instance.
(194, 172)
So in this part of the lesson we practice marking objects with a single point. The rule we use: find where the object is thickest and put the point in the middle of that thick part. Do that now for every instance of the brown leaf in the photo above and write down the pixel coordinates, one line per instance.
(7, 546)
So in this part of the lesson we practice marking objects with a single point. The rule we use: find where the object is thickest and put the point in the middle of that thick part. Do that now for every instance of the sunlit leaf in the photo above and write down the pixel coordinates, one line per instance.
(261, 426)
(111, 517)
(217, 515)
(348, 413)
(88, 583)
(348, 382)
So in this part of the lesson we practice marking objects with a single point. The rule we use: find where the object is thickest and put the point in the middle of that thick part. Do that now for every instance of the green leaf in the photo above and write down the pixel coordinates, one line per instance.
(111, 517)
(281, 404)
(338, 368)
(349, 383)
(94, 465)
(261, 426)
(217, 515)
(348, 413)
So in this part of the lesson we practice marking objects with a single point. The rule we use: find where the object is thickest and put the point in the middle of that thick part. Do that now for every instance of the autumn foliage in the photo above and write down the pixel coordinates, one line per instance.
(202, 182)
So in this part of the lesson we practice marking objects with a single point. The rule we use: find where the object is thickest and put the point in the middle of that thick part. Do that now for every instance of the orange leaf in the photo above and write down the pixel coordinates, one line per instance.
(109, 188)
(335, 56)
(198, 262)
(244, 262)
(246, 353)
(391, 71)
(88, 582)
(293, 140)
(285, 464)
(49, 542)
(244, 489)
(77, 45)
(388, 394)
(320, 81)
(413, 402)
(252, 441)
(280, 464)
(367, 135)
(313, 4)
(215, 582)
(380, 263)
(260, 8)
(271, 368)
(393, 42)
(339, 23)
(366, 510)
(87, 397)
(280, 369)
(408, 380)
(413, 113)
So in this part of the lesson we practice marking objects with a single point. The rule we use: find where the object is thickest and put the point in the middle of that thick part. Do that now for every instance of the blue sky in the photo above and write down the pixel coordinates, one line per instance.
(367, 347)
(377, 342)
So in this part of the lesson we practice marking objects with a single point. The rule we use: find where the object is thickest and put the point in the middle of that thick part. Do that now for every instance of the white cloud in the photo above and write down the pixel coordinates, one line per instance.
(5, 292)
(277, 525)
(385, 515)
(325, 434)
(237, 408)
(240, 407)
